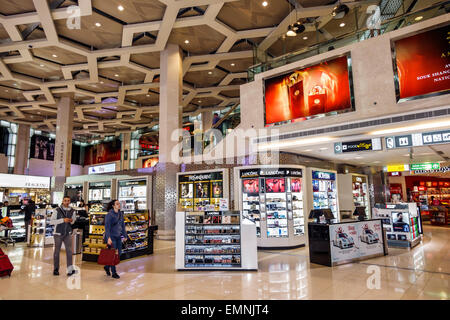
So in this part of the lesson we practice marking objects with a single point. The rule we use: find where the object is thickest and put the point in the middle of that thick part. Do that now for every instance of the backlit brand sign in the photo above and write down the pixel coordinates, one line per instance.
(440, 170)
(272, 172)
(397, 167)
(22, 181)
(425, 166)
(201, 177)
(323, 175)
(359, 145)
(111, 167)
(100, 185)
(132, 183)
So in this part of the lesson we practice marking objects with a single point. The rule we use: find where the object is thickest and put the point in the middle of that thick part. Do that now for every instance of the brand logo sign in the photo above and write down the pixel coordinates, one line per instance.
(425, 166)
(111, 167)
(22, 181)
(201, 177)
(397, 167)
(272, 172)
(359, 145)
(323, 175)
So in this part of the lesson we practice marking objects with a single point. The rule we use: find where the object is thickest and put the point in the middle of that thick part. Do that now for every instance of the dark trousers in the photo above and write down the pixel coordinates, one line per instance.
(116, 244)
(67, 239)
(27, 223)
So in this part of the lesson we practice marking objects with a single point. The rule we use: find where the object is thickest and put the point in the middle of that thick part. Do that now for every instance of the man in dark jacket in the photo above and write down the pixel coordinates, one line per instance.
(29, 210)
(63, 218)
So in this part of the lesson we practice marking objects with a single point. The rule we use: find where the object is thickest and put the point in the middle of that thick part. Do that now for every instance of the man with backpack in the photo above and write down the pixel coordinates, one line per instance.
(63, 218)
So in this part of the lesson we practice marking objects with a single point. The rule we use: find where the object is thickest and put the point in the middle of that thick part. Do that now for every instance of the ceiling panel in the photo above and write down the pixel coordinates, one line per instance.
(231, 93)
(11, 94)
(18, 85)
(108, 35)
(150, 99)
(202, 39)
(291, 44)
(103, 86)
(334, 26)
(251, 14)
(237, 65)
(149, 59)
(8, 7)
(206, 102)
(202, 79)
(38, 70)
(124, 74)
(135, 11)
(62, 56)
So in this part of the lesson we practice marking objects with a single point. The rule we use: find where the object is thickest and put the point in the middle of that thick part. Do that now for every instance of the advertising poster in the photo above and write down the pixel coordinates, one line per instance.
(148, 163)
(344, 242)
(251, 187)
(42, 148)
(103, 152)
(187, 190)
(310, 91)
(217, 189)
(275, 185)
(423, 63)
(370, 237)
(201, 190)
(296, 185)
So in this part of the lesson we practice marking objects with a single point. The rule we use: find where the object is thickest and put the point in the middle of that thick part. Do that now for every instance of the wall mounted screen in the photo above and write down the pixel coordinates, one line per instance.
(298, 95)
(422, 64)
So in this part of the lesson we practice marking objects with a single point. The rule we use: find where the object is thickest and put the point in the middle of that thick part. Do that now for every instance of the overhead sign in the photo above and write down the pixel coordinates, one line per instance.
(22, 181)
(424, 166)
(440, 170)
(418, 139)
(110, 167)
(323, 175)
(271, 172)
(397, 167)
(359, 145)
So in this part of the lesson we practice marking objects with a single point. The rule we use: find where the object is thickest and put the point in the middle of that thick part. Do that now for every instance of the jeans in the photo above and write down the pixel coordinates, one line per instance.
(67, 239)
(117, 244)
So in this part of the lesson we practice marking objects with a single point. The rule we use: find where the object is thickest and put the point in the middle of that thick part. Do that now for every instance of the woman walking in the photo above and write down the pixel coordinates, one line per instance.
(114, 232)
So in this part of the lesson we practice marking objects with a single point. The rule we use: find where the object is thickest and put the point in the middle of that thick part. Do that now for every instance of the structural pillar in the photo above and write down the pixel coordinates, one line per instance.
(207, 117)
(22, 149)
(126, 150)
(63, 143)
(170, 112)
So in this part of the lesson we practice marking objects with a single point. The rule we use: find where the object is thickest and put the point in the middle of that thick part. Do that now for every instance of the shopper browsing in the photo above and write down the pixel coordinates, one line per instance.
(115, 232)
(63, 218)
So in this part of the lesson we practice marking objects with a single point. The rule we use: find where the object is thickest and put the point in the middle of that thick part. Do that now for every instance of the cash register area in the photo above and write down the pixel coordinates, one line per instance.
(422, 272)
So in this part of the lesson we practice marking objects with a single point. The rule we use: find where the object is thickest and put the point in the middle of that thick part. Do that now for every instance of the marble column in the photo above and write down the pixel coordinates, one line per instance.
(126, 151)
(170, 112)
(63, 143)
(22, 149)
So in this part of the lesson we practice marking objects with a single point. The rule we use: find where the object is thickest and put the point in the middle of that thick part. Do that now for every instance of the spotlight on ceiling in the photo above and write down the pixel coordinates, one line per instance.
(291, 32)
(299, 27)
(340, 11)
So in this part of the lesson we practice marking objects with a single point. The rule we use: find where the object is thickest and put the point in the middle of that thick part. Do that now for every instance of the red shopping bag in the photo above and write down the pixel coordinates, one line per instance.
(5, 266)
(108, 257)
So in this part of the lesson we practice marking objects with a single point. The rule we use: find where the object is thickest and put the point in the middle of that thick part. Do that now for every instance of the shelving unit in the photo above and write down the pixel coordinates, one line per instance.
(17, 217)
(212, 239)
(38, 229)
(439, 215)
(251, 209)
(276, 212)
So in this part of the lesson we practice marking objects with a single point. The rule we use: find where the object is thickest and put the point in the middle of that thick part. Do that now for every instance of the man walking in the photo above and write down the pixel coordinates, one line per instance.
(63, 218)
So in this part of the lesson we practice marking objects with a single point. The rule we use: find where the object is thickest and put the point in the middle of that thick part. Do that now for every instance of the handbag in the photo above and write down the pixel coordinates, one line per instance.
(108, 257)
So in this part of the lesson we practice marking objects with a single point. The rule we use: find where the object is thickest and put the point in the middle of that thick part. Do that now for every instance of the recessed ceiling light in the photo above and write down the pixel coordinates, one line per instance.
(199, 101)
(101, 82)
(308, 150)
(6, 90)
(186, 41)
(116, 75)
(38, 112)
(54, 56)
(232, 64)
(147, 95)
(358, 157)
(305, 38)
(264, 3)
(41, 65)
(209, 72)
(98, 24)
(418, 18)
(120, 7)
(323, 148)
(342, 24)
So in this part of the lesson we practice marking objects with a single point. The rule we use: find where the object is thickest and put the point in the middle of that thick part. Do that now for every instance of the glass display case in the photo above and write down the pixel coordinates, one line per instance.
(17, 216)
(133, 195)
(325, 191)
(38, 229)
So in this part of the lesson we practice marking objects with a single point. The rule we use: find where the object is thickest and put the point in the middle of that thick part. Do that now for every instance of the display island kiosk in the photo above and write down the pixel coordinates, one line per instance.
(332, 244)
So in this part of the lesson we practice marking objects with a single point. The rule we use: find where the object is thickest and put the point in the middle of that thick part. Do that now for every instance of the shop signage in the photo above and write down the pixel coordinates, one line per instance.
(132, 183)
(201, 177)
(418, 139)
(74, 186)
(100, 184)
(422, 188)
(223, 204)
(440, 170)
(110, 167)
(425, 166)
(394, 174)
(359, 145)
(272, 172)
(397, 167)
(323, 175)
(22, 181)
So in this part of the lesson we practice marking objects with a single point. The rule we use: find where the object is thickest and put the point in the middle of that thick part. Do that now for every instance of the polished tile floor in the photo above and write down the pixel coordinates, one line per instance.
(420, 273)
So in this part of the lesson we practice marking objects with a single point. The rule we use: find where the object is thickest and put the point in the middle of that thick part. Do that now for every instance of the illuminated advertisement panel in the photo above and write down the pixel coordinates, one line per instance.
(298, 95)
(422, 64)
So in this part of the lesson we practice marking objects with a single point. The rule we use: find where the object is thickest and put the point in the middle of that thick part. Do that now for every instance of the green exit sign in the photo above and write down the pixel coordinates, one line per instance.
(425, 166)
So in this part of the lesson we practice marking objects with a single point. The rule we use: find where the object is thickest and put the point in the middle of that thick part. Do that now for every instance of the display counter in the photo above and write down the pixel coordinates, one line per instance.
(215, 240)
(401, 222)
(273, 197)
(345, 242)
(324, 193)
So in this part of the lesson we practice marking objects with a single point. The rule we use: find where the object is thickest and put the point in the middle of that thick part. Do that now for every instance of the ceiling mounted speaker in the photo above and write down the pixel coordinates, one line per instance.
(340, 11)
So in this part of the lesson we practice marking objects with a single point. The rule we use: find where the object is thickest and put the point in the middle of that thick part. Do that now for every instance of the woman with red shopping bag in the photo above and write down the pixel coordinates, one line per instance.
(115, 233)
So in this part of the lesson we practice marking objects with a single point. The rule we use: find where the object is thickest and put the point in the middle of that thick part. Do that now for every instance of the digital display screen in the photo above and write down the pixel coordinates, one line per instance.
(307, 92)
(275, 185)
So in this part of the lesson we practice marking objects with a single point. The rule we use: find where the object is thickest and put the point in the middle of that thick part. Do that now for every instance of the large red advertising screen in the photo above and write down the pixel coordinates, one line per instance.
(423, 63)
(307, 92)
